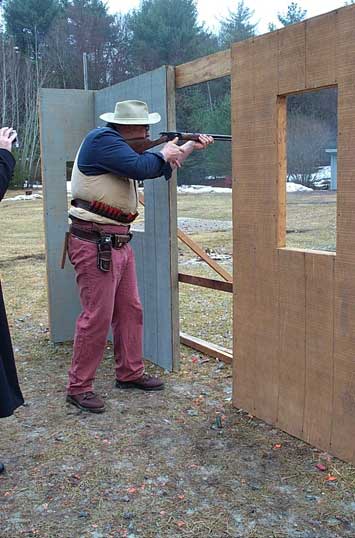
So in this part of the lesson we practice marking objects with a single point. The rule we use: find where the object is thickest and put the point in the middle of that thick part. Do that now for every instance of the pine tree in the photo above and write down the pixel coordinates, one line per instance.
(29, 21)
(237, 26)
(166, 32)
(295, 13)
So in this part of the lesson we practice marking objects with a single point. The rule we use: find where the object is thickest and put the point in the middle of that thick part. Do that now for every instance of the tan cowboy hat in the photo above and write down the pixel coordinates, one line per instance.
(131, 113)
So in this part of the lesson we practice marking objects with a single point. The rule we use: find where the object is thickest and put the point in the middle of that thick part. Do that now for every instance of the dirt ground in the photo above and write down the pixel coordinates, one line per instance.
(182, 462)
(178, 463)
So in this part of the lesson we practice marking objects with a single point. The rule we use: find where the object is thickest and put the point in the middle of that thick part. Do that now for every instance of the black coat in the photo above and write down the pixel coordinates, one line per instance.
(10, 392)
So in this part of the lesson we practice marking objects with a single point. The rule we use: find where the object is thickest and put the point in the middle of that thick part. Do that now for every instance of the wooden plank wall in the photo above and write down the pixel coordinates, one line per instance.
(294, 322)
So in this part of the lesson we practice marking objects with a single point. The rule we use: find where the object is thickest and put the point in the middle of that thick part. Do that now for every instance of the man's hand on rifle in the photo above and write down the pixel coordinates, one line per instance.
(171, 152)
(203, 142)
(175, 155)
(190, 146)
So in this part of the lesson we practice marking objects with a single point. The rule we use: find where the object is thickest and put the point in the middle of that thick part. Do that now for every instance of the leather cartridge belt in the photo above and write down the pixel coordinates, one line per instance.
(105, 210)
(117, 240)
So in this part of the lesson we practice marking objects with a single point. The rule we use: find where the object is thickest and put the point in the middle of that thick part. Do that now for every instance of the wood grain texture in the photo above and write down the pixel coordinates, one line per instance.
(321, 50)
(207, 348)
(244, 232)
(343, 423)
(203, 69)
(203, 282)
(319, 323)
(265, 181)
(292, 44)
(282, 170)
(343, 426)
(172, 235)
(292, 351)
(309, 296)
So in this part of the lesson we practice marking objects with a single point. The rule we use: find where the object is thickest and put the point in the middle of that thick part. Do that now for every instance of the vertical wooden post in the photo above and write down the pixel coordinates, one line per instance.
(282, 169)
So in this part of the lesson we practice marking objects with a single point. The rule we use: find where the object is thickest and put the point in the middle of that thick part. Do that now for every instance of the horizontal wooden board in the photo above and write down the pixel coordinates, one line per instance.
(203, 69)
(213, 350)
(218, 285)
(195, 247)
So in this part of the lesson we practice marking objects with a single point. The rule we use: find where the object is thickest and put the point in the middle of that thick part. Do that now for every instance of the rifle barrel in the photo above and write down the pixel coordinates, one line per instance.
(185, 136)
(221, 137)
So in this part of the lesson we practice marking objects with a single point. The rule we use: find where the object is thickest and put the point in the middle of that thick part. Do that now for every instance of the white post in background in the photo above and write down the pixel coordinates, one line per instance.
(333, 168)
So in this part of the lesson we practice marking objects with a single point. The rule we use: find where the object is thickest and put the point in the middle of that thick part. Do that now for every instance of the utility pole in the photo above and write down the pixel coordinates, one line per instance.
(85, 69)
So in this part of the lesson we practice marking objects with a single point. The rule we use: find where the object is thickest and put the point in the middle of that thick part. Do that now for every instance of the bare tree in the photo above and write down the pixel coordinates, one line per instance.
(21, 78)
(307, 138)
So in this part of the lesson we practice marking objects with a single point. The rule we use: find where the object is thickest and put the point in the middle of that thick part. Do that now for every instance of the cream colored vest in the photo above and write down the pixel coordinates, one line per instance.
(116, 191)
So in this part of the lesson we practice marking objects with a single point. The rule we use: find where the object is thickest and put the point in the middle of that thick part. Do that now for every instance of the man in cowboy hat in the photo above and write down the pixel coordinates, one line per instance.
(105, 202)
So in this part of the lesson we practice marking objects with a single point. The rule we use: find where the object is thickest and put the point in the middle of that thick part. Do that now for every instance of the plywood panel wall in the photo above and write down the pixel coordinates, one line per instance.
(294, 322)
(74, 113)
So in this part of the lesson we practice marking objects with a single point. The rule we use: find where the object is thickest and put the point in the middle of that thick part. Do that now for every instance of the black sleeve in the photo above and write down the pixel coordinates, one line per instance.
(7, 165)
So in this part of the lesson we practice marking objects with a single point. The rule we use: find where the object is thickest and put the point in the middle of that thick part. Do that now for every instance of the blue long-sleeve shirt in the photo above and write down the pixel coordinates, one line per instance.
(105, 150)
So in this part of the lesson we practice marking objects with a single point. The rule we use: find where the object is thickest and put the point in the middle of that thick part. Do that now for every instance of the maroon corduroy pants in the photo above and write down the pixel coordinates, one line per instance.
(108, 299)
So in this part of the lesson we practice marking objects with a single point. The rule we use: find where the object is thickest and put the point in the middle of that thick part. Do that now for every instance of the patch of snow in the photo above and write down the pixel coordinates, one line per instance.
(23, 197)
(32, 185)
(324, 172)
(296, 187)
(202, 189)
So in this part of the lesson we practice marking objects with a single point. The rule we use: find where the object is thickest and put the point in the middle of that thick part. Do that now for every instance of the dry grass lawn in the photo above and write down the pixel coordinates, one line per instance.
(181, 463)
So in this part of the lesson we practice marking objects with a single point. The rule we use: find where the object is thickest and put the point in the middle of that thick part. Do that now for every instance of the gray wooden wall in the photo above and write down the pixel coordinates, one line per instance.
(65, 118)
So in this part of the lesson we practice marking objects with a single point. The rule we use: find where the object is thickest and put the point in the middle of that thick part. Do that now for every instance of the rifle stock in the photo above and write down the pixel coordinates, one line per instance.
(143, 144)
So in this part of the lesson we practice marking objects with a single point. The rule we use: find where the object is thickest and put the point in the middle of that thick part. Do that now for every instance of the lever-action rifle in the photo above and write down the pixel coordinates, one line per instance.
(142, 144)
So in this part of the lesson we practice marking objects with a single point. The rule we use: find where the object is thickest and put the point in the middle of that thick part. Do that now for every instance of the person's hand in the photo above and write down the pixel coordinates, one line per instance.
(203, 142)
(171, 152)
(7, 136)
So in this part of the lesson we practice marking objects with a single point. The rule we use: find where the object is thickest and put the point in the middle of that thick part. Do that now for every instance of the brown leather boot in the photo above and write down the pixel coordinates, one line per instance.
(145, 382)
(87, 401)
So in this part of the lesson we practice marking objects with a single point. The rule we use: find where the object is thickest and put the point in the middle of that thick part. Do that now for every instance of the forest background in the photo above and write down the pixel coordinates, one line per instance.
(42, 44)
